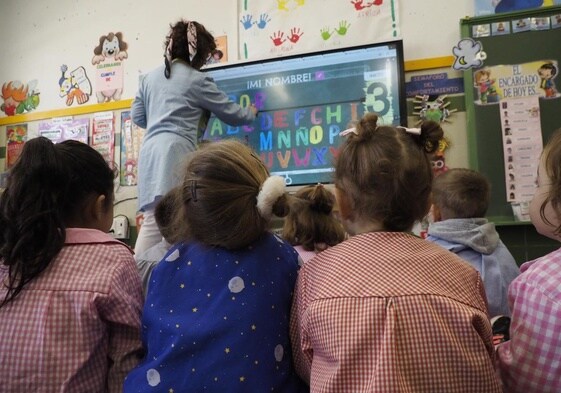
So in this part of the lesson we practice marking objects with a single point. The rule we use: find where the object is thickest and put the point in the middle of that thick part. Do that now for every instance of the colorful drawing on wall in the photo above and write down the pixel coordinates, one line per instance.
(283, 27)
(486, 89)
(488, 7)
(131, 139)
(548, 72)
(16, 135)
(220, 54)
(74, 85)
(555, 21)
(439, 160)
(432, 108)
(468, 53)
(62, 129)
(536, 78)
(19, 98)
(108, 56)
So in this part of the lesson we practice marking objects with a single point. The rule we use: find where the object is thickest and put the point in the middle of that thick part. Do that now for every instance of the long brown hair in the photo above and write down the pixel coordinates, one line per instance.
(219, 196)
(46, 188)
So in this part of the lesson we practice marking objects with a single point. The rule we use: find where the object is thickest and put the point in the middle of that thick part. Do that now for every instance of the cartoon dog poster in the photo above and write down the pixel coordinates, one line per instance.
(74, 85)
(108, 56)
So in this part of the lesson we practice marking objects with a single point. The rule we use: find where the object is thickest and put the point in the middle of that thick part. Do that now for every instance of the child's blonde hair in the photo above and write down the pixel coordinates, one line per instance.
(311, 220)
(220, 194)
(385, 171)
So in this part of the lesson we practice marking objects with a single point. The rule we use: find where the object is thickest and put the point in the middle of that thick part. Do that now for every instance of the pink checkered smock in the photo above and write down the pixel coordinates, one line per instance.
(76, 327)
(531, 361)
(390, 312)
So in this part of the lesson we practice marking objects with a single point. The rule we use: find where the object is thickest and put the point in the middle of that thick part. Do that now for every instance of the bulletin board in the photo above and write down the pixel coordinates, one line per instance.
(517, 50)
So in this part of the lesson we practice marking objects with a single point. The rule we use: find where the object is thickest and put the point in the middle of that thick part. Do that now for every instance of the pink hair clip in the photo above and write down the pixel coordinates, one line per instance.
(348, 131)
(416, 131)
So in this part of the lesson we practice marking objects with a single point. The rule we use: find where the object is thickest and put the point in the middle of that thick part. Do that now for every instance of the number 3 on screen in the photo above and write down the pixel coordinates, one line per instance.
(377, 98)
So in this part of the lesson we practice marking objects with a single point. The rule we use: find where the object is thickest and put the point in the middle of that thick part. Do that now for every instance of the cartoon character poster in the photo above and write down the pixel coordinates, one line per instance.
(108, 59)
(131, 139)
(537, 78)
(283, 27)
(488, 7)
(16, 135)
(74, 85)
(19, 97)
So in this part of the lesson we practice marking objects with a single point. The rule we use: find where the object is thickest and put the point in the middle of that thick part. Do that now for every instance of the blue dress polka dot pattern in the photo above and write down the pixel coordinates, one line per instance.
(218, 320)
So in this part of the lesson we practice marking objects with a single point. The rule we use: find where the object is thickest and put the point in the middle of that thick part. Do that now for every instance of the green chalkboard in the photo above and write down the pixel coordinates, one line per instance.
(515, 50)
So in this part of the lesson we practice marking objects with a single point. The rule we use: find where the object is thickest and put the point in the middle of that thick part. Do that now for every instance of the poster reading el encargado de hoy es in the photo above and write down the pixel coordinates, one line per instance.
(303, 110)
(516, 91)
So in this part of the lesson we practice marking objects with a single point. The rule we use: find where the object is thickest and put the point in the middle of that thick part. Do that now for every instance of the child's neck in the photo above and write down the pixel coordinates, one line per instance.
(358, 227)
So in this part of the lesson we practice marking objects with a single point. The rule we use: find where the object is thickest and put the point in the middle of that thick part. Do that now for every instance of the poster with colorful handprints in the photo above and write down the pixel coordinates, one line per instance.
(536, 78)
(16, 135)
(131, 139)
(284, 27)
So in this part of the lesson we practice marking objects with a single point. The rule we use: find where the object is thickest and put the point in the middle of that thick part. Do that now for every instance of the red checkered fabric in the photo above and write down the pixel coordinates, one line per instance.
(390, 312)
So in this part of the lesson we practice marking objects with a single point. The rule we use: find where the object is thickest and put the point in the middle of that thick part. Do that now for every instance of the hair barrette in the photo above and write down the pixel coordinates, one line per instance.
(194, 190)
(348, 131)
(416, 131)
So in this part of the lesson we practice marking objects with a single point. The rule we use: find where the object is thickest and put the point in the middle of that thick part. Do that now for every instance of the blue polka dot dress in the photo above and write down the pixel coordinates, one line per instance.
(217, 320)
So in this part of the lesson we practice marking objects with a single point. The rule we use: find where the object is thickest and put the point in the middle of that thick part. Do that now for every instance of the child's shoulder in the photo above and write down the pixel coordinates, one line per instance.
(548, 265)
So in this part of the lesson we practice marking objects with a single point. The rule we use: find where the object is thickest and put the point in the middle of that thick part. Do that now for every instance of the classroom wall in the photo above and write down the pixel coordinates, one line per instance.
(38, 37)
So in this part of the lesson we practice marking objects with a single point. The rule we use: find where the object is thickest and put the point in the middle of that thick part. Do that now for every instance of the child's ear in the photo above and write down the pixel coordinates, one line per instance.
(99, 207)
(436, 214)
(101, 218)
(345, 211)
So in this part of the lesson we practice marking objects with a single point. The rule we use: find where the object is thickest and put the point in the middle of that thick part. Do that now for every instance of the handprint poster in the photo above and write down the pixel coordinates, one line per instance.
(283, 27)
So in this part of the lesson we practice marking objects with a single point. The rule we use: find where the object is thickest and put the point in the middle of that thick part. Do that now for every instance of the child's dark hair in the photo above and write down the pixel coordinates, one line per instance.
(386, 173)
(180, 47)
(164, 214)
(552, 165)
(461, 193)
(48, 187)
(220, 193)
(311, 221)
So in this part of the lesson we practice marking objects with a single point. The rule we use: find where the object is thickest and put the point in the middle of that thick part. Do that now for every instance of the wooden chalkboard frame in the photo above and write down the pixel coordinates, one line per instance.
(483, 122)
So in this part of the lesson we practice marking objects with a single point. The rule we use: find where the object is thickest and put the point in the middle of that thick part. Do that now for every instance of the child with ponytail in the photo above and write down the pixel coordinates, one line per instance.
(217, 308)
(386, 311)
(70, 294)
(310, 225)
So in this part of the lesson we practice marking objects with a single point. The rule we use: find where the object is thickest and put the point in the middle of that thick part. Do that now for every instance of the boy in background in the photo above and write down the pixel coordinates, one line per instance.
(460, 200)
